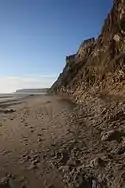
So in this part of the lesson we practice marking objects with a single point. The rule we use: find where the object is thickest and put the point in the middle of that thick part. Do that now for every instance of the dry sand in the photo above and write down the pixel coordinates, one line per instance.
(30, 129)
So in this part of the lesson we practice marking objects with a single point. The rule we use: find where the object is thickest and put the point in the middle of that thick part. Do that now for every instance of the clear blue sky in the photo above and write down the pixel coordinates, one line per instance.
(36, 35)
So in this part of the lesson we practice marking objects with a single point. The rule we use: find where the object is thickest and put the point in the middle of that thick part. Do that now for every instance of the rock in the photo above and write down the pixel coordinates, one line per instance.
(64, 168)
(121, 150)
(4, 183)
(64, 157)
(116, 37)
(111, 135)
(97, 162)
(82, 181)
(95, 184)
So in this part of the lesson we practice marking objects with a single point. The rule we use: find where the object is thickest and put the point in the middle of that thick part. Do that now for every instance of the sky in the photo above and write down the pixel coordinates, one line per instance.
(37, 35)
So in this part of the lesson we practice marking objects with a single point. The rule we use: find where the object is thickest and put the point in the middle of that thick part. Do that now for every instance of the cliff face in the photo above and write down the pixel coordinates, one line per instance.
(99, 65)
(95, 76)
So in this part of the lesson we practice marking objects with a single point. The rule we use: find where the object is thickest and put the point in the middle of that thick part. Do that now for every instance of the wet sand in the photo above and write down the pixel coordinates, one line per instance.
(30, 129)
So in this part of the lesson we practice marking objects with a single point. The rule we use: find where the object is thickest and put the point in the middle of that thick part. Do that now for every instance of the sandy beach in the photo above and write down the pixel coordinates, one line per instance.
(50, 142)
(30, 130)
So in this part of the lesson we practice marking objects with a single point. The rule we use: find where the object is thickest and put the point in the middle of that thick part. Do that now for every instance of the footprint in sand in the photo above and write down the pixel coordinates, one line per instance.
(39, 134)
(25, 158)
(25, 139)
(32, 130)
(26, 144)
(26, 124)
(32, 159)
(22, 120)
(39, 139)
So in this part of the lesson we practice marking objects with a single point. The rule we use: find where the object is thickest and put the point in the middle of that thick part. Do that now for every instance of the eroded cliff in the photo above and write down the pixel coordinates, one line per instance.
(99, 64)
(95, 78)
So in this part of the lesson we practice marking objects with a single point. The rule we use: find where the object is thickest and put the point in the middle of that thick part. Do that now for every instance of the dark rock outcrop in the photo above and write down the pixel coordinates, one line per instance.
(99, 65)
(70, 59)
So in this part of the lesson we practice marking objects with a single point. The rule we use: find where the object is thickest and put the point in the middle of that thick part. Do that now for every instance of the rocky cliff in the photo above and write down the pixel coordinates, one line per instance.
(95, 78)
(99, 64)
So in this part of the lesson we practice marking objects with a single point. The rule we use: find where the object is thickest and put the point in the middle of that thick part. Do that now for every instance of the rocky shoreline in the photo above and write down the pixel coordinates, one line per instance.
(95, 157)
